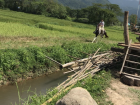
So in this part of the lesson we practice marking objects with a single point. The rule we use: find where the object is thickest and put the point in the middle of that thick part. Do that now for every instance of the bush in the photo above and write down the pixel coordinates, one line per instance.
(32, 59)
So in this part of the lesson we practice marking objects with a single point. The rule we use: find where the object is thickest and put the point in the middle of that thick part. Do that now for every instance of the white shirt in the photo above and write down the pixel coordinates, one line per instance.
(102, 23)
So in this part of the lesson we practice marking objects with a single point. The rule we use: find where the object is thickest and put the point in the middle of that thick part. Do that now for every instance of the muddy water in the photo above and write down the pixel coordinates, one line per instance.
(9, 94)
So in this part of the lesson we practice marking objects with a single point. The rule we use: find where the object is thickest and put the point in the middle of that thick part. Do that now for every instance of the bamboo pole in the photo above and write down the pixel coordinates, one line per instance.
(79, 75)
(76, 78)
(54, 60)
(81, 60)
(55, 96)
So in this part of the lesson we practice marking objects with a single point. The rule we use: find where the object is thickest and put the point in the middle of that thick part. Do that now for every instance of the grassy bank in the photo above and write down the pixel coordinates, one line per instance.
(19, 63)
(96, 86)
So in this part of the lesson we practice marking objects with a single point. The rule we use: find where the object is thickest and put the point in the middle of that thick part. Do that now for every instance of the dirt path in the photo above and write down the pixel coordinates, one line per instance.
(120, 94)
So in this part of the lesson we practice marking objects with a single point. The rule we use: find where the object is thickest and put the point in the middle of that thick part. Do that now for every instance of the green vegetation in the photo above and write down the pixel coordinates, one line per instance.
(96, 86)
(133, 19)
(100, 9)
(16, 63)
(26, 39)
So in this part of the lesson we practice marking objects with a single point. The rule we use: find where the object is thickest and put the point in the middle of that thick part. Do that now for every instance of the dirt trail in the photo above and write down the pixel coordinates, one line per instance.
(120, 94)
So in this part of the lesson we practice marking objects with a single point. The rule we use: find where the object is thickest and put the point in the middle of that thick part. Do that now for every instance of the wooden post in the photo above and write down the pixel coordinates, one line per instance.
(126, 31)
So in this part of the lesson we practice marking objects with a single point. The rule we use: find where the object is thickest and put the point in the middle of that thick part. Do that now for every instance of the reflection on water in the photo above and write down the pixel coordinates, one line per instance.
(9, 94)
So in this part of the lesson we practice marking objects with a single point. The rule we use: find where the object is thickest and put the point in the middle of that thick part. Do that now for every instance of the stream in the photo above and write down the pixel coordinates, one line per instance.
(9, 94)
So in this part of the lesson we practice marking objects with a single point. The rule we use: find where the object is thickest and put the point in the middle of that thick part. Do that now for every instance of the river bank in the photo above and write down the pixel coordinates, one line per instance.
(29, 76)
(25, 63)
(38, 85)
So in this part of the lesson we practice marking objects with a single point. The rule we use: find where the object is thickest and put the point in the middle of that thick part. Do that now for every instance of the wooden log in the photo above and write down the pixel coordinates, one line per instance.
(134, 55)
(77, 74)
(72, 70)
(132, 62)
(126, 31)
(132, 68)
(84, 76)
(58, 87)
(117, 49)
(72, 83)
(59, 93)
(75, 69)
(82, 60)
(131, 75)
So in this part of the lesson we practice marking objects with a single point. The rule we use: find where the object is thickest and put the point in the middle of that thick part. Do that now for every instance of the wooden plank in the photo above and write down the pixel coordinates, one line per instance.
(132, 62)
(138, 44)
(130, 75)
(131, 68)
(125, 56)
(126, 32)
(131, 47)
(134, 55)
(135, 48)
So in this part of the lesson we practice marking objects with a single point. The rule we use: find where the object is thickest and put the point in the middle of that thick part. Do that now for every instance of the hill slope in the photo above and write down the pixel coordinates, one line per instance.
(77, 4)
(127, 5)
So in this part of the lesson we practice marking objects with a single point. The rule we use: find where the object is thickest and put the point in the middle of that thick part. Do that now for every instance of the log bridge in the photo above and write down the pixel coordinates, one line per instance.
(82, 68)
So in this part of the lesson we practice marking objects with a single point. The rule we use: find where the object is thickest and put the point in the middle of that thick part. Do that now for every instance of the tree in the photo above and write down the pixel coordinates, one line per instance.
(2, 3)
(133, 19)
(96, 14)
(115, 8)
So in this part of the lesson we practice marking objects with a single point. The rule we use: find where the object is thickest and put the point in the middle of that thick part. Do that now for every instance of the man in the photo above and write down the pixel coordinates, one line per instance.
(102, 23)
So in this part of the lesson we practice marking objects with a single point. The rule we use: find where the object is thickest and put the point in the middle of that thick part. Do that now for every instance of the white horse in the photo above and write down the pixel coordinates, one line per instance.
(100, 31)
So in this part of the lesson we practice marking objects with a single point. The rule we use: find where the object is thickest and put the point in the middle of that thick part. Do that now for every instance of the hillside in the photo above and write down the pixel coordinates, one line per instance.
(127, 5)
(77, 4)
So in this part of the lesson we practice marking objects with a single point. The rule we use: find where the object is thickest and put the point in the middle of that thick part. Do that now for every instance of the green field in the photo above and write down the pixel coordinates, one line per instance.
(36, 30)
(25, 39)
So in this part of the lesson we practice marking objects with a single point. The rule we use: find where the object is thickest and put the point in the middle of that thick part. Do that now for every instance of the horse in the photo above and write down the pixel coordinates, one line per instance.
(100, 31)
